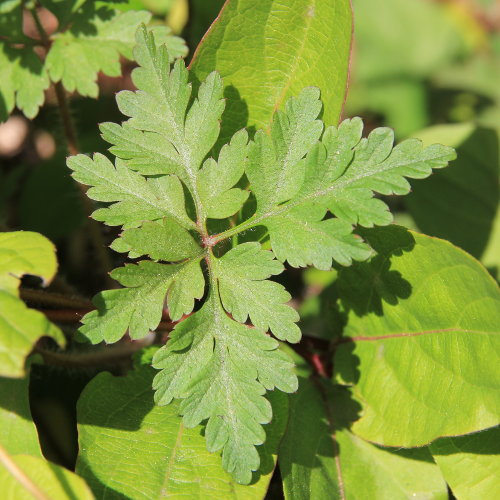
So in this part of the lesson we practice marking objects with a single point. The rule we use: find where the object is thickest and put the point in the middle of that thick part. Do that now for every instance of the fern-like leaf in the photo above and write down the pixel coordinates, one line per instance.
(309, 189)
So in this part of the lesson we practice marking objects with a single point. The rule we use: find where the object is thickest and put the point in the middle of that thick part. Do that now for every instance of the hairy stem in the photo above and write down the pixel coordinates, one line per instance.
(95, 234)
(20, 475)
(50, 299)
(110, 355)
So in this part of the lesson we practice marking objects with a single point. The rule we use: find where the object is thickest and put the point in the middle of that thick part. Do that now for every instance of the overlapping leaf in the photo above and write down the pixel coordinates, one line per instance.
(222, 369)
(22, 252)
(91, 37)
(341, 173)
(164, 188)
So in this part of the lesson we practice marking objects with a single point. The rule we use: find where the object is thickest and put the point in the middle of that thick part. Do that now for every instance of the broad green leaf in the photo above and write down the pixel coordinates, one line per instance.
(320, 458)
(460, 204)
(272, 54)
(23, 82)
(422, 342)
(221, 370)
(22, 252)
(470, 464)
(153, 453)
(136, 199)
(94, 42)
(341, 173)
(139, 307)
(54, 481)
(18, 434)
(245, 291)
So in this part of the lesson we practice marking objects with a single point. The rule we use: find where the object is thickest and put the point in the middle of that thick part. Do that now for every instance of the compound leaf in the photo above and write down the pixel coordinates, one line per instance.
(163, 240)
(94, 42)
(245, 291)
(139, 307)
(341, 173)
(221, 370)
(22, 252)
(136, 199)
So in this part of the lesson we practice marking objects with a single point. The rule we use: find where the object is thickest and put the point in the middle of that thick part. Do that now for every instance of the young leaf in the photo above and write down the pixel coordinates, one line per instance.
(219, 367)
(136, 199)
(341, 173)
(22, 252)
(221, 370)
(245, 291)
(139, 307)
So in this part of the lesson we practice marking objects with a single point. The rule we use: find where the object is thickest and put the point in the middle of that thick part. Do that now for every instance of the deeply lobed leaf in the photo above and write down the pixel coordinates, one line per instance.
(309, 188)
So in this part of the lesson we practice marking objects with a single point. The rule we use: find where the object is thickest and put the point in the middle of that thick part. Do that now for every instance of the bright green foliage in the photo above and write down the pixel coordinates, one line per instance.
(17, 431)
(273, 53)
(22, 252)
(470, 464)
(139, 307)
(91, 38)
(53, 481)
(320, 458)
(165, 188)
(410, 311)
(245, 291)
(118, 414)
(223, 377)
(461, 204)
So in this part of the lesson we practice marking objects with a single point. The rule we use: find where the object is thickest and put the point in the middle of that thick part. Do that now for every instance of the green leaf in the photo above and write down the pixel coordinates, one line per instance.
(216, 179)
(158, 113)
(341, 173)
(320, 458)
(138, 308)
(55, 482)
(422, 340)
(18, 433)
(23, 82)
(272, 54)
(22, 252)
(165, 240)
(411, 38)
(221, 370)
(470, 464)
(461, 204)
(245, 291)
(94, 42)
(118, 414)
(137, 199)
